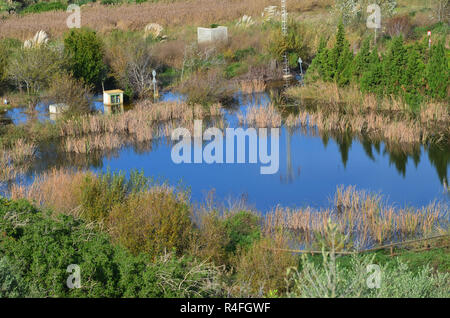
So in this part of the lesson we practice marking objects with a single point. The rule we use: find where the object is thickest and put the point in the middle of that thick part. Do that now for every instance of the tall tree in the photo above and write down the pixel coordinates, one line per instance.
(414, 73)
(394, 65)
(85, 53)
(437, 72)
(362, 59)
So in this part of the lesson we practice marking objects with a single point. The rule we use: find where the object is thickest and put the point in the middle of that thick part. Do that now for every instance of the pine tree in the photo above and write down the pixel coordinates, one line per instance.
(437, 72)
(362, 59)
(336, 51)
(372, 81)
(414, 73)
(339, 66)
(345, 66)
(393, 67)
(319, 63)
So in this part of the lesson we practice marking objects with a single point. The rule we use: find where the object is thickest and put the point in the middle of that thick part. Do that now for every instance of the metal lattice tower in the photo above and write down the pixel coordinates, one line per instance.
(284, 26)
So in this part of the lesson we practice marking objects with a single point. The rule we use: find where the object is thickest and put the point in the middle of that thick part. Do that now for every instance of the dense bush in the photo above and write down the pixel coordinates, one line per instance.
(72, 92)
(99, 194)
(153, 222)
(84, 50)
(43, 7)
(36, 249)
(293, 44)
(242, 228)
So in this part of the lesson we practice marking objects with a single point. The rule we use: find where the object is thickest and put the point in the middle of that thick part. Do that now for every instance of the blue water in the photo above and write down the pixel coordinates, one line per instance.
(310, 168)
(310, 177)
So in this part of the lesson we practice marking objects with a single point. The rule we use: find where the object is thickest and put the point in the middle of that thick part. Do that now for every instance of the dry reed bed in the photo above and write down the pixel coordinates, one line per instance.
(363, 217)
(133, 16)
(352, 101)
(261, 117)
(252, 86)
(369, 118)
(136, 16)
(16, 160)
(145, 122)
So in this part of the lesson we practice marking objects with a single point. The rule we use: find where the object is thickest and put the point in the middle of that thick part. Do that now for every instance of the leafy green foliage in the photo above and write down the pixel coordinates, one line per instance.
(100, 194)
(36, 249)
(43, 7)
(242, 229)
(437, 73)
(153, 222)
(409, 71)
(85, 52)
(292, 44)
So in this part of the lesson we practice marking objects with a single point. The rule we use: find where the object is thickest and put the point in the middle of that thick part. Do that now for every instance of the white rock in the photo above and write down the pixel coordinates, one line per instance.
(41, 37)
(153, 29)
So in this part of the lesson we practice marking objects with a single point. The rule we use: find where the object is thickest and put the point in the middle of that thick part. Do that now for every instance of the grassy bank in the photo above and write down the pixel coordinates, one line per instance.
(152, 231)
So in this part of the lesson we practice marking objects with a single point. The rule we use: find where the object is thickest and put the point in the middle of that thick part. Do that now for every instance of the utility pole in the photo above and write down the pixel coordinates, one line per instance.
(284, 20)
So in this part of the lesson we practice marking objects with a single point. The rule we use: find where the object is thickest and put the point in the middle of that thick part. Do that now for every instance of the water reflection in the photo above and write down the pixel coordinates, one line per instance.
(312, 164)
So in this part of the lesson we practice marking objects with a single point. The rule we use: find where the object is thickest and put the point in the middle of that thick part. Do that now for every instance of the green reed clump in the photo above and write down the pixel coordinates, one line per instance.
(101, 193)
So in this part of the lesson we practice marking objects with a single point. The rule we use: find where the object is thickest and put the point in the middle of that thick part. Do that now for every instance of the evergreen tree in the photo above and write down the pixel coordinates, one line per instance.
(372, 81)
(319, 63)
(414, 73)
(85, 54)
(394, 66)
(437, 72)
(362, 59)
(337, 50)
(339, 66)
(345, 66)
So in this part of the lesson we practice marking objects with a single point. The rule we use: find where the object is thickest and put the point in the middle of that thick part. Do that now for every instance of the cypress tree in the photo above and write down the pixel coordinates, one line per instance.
(319, 63)
(414, 73)
(372, 80)
(362, 59)
(339, 66)
(437, 72)
(336, 52)
(394, 65)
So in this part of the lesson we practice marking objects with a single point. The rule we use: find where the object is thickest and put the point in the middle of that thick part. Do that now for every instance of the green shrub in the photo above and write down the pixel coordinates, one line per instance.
(242, 228)
(85, 52)
(153, 222)
(43, 7)
(36, 249)
(437, 72)
(100, 194)
(293, 44)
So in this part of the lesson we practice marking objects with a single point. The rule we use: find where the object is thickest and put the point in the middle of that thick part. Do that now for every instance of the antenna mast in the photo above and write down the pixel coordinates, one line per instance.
(284, 20)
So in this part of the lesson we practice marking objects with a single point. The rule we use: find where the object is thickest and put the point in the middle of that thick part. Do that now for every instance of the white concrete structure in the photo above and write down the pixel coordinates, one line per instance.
(113, 97)
(209, 35)
(58, 108)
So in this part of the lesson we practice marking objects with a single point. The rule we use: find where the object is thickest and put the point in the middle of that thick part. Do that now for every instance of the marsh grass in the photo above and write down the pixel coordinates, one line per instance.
(363, 216)
(387, 119)
(146, 122)
(57, 189)
(261, 117)
(252, 86)
(15, 160)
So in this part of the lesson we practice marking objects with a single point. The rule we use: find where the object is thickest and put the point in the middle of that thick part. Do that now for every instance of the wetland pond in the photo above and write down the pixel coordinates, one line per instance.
(311, 167)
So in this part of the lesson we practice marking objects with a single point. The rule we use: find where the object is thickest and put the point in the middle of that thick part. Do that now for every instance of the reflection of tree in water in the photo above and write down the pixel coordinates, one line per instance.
(344, 142)
(439, 156)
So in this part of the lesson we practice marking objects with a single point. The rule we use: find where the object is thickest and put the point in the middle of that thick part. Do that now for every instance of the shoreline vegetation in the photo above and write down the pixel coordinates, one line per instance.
(224, 251)
(135, 237)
